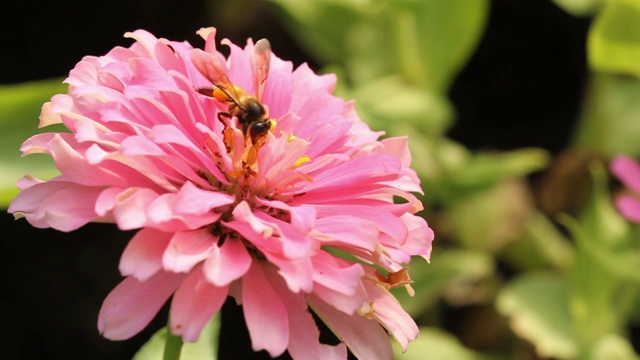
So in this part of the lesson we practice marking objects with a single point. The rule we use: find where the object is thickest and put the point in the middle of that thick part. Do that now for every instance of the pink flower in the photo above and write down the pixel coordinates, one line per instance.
(628, 171)
(224, 213)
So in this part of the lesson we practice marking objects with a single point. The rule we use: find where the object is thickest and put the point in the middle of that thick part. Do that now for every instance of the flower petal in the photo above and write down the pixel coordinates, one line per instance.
(628, 171)
(193, 305)
(227, 262)
(304, 336)
(365, 338)
(388, 312)
(186, 249)
(142, 258)
(132, 304)
(264, 312)
(629, 206)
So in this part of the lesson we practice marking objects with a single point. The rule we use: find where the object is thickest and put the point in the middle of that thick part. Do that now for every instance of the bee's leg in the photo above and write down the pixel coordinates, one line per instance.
(222, 116)
(258, 132)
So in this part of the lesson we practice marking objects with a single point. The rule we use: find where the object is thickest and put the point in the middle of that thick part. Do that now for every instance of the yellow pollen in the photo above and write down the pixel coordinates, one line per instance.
(291, 138)
(301, 161)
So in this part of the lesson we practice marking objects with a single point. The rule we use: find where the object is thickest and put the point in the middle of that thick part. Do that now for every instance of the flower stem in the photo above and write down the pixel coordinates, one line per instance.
(172, 346)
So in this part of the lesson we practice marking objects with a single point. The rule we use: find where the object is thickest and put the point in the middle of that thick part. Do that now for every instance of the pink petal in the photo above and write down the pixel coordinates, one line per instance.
(304, 336)
(193, 200)
(227, 262)
(193, 305)
(365, 338)
(397, 146)
(629, 207)
(298, 273)
(264, 312)
(337, 274)
(142, 258)
(388, 311)
(62, 205)
(349, 231)
(130, 211)
(132, 304)
(420, 236)
(628, 171)
(186, 249)
(163, 213)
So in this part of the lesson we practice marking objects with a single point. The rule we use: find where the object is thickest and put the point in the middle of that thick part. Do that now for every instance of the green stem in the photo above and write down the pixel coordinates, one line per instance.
(172, 346)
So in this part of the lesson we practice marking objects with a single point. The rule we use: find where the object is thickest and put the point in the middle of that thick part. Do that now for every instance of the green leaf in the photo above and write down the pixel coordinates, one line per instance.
(205, 348)
(592, 305)
(537, 307)
(456, 274)
(21, 104)
(488, 220)
(435, 38)
(604, 274)
(404, 106)
(604, 234)
(426, 42)
(154, 348)
(479, 172)
(436, 344)
(614, 38)
(580, 7)
(613, 347)
(609, 123)
(541, 245)
(325, 28)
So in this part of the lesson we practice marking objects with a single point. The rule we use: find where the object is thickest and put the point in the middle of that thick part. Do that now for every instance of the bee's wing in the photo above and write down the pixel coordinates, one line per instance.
(215, 70)
(260, 64)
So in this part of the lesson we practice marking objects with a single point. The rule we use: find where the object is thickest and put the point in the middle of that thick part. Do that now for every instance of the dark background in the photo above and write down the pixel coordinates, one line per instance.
(521, 88)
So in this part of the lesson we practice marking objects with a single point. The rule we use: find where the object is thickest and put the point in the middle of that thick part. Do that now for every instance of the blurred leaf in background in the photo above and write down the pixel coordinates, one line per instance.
(21, 104)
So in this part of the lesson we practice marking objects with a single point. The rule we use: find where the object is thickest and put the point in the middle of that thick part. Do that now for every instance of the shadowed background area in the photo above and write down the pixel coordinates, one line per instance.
(522, 87)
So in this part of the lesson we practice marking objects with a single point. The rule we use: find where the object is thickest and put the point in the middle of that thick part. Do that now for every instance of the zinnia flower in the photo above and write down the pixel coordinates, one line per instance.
(301, 218)
(628, 171)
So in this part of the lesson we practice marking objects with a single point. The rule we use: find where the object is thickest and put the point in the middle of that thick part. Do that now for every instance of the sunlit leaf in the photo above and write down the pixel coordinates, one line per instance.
(206, 348)
(439, 345)
(613, 347)
(21, 104)
(580, 7)
(614, 38)
(537, 307)
(154, 348)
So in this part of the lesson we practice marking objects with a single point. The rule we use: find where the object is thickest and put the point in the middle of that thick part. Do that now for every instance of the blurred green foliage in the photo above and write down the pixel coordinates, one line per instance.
(574, 289)
(20, 106)
(572, 286)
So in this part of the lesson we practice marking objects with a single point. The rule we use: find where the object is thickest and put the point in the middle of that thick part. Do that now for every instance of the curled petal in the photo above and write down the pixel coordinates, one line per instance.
(188, 248)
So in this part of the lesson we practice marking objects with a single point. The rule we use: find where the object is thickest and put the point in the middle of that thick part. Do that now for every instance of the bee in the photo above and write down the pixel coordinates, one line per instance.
(252, 115)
